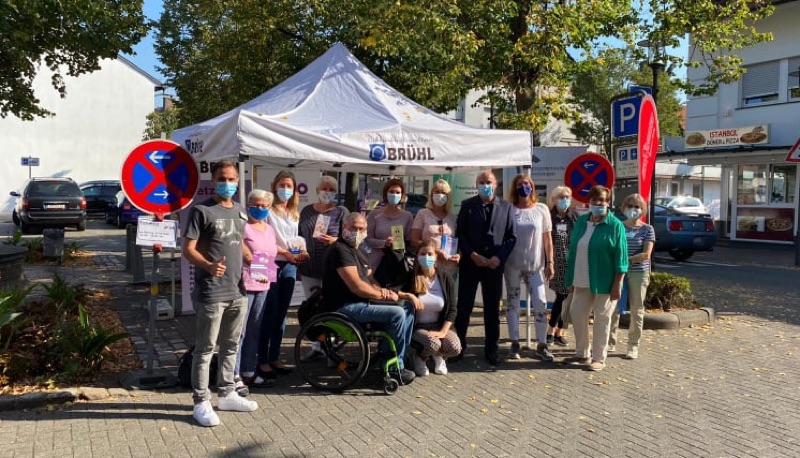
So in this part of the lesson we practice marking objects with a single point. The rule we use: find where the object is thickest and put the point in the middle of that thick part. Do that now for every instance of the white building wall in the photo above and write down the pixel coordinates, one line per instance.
(94, 128)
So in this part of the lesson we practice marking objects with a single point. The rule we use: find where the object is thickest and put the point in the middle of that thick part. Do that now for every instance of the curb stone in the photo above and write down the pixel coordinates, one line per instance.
(674, 320)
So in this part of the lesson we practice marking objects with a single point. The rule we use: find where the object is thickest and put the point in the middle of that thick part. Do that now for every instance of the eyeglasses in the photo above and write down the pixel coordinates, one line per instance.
(634, 206)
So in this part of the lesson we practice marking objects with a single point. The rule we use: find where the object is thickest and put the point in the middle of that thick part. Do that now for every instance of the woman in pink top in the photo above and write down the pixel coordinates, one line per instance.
(259, 269)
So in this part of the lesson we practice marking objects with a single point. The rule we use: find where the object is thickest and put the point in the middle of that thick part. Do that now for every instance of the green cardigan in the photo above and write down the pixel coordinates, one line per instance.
(608, 252)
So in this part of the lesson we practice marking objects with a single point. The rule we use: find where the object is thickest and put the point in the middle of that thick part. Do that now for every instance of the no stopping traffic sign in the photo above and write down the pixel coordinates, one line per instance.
(586, 171)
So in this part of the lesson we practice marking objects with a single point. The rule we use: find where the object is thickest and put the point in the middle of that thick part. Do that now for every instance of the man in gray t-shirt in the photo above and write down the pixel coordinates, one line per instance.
(213, 244)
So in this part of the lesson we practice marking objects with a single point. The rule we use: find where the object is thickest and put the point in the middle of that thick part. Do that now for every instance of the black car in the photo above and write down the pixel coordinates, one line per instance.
(49, 202)
(99, 195)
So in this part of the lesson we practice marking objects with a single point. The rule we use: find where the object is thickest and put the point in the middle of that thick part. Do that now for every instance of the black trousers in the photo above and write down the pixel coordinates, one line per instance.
(555, 314)
(491, 281)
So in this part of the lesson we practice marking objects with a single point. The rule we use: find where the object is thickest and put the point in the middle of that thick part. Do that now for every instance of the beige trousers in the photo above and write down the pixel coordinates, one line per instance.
(637, 283)
(584, 303)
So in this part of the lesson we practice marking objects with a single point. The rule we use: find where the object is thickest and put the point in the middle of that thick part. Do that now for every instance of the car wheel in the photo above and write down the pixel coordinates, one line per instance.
(15, 218)
(81, 226)
(681, 254)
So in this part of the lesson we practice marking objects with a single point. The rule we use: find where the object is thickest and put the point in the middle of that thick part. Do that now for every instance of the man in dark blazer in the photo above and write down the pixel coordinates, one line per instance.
(486, 236)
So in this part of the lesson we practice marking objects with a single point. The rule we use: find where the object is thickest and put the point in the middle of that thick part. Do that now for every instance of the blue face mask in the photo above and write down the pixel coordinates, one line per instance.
(393, 199)
(597, 210)
(225, 189)
(563, 203)
(485, 190)
(524, 190)
(258, 213)
(284, 194)
(427, 261)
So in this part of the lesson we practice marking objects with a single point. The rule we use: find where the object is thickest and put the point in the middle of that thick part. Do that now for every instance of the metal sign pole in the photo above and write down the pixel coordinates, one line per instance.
(151, 331)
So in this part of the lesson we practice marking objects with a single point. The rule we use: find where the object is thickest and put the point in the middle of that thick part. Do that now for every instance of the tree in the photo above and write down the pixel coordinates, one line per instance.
(68, 36)
(161, 121)
(597, 80)
(218, 54)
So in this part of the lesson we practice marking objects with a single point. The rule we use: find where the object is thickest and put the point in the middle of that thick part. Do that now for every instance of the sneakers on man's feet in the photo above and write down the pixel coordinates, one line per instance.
(544, 353)
(513, 351)
(205, 415)
(420, 366)
(633, 352)
(560, 341)
(405, 377)
(549, 339)
(240, 387)
(492, 359)
(596, 366)
(236, 403)
(439, 365)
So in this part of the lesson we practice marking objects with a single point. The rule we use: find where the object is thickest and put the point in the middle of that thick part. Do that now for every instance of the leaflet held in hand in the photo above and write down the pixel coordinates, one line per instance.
(321, 227)
(263, 268)
(398, 242)
(449, 245)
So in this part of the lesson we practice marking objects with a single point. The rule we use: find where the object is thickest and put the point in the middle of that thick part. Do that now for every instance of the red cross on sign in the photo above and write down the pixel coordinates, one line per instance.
(586, 171)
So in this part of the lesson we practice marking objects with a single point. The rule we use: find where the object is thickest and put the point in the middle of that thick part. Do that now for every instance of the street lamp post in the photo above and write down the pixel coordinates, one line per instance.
(797, 210)
(655, 56)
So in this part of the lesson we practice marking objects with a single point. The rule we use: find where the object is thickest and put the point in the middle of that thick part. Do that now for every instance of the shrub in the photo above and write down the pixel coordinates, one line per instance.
(85, 346)
(667, 291)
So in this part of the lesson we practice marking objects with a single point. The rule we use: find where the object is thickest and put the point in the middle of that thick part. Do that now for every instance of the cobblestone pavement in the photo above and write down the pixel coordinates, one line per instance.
(729, 389)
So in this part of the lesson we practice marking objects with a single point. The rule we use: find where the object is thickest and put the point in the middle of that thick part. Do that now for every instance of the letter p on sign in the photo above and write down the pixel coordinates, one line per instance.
(625, 117)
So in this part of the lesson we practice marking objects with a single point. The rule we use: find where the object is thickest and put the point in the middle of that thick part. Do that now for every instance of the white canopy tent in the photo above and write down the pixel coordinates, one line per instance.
(336, 114)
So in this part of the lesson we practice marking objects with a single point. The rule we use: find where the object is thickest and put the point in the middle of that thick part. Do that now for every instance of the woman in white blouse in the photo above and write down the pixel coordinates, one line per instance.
(434, 222)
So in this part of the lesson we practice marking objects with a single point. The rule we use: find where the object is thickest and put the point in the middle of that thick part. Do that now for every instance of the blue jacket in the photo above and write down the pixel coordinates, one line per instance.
(472, 234)
(608, 252)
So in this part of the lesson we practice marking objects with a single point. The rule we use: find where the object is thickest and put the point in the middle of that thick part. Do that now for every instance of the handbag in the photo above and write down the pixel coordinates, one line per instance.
(185, 369)
(566, 316)
(396, 269)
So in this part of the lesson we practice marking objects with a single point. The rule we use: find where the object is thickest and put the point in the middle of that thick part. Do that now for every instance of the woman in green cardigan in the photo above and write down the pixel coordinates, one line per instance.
(596, 265)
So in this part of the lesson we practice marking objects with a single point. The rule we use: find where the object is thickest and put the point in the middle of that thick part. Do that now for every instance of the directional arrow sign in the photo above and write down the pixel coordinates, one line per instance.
(159, 176)
(586, 171)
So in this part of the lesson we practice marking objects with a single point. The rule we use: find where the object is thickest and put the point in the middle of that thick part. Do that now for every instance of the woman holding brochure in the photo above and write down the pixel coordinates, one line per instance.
(389, 226)
(320, 224)
(284, 220)
(438, 223)
(258, 270)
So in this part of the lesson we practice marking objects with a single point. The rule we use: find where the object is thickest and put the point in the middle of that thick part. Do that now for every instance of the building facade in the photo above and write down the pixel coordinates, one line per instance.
(748, 127)
(94, 128)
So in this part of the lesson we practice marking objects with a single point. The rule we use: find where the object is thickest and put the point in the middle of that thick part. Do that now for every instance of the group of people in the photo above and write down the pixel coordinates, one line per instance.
(518, 240)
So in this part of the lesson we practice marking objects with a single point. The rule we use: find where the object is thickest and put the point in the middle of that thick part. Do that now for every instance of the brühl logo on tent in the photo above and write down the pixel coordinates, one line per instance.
(379, 152)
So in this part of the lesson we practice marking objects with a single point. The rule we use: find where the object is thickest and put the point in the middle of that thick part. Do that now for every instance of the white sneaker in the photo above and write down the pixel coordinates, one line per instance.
(205, 415)
(236, 403)
(633, 352)
(420, 367)
(439, 365)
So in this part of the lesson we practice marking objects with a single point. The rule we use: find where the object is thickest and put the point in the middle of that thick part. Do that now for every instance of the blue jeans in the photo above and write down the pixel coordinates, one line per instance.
(273, 324)
(248, 343)
(397, 321)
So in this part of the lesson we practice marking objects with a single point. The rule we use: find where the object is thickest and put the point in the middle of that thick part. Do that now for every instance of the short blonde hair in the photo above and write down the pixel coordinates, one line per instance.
(327, 179)
(444, 186)
(557, 191)
(260, 194)
(636, 199)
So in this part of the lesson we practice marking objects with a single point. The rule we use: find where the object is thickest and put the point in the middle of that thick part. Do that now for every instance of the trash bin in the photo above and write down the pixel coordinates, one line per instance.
(53, 244)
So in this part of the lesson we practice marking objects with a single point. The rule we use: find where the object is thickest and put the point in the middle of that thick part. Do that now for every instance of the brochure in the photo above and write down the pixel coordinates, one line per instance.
(263, 268)
(296, 245)
(398, 242)
(321, 227)
(449, 245)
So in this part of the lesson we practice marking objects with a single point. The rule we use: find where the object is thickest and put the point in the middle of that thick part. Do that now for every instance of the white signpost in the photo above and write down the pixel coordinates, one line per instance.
(627, 163)
(29, 162)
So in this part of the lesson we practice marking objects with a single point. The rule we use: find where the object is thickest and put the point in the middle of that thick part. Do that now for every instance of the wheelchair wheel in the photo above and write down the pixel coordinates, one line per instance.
(345, 350)
(390, 385)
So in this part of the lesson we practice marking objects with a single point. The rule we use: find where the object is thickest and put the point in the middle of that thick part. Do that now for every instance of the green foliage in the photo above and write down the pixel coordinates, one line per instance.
(72, 249)
(667, 291)
(69, 37)
(159, 122)
(218, 55)
(12, 317)
(13, 239)
(85, 345)
(65, 297)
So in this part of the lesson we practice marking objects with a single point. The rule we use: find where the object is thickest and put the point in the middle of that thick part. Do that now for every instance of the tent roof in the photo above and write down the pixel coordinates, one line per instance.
(337, 113)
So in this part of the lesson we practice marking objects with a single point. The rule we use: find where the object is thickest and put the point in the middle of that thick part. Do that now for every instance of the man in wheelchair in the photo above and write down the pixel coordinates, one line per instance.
(347, 286)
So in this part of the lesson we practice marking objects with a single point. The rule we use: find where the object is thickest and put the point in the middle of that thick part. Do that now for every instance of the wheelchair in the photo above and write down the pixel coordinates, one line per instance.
(346, 348)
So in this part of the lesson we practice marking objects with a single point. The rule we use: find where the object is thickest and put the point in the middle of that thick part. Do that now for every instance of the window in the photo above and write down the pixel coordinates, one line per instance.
(697, 190)
(673, 188)
(794, 89)
(761, 83)
(752, 185)
(782, 183)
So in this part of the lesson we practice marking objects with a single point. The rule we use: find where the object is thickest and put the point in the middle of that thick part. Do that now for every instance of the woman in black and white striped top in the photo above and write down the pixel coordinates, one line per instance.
(640, 237)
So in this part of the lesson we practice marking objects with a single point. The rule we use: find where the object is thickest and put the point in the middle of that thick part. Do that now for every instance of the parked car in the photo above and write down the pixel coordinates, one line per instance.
(99, 194)
(122, 212)
(49, 202)
(686, 204)
(682, 234)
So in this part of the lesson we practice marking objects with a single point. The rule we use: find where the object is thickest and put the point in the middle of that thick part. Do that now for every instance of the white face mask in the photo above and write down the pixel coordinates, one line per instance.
(354, 238)
(439, 199)
(633, 213)
(327, 197)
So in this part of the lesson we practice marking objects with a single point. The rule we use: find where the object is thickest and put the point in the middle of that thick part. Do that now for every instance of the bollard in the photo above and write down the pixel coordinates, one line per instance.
(138, 265)
(130, 244)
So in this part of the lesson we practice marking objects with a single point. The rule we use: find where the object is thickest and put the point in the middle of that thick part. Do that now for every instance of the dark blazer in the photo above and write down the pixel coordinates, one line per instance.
(472, 235)
(449, 291)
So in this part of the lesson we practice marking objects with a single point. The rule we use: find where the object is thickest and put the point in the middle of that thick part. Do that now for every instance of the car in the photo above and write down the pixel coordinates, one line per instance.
(682, 234)
(99, 194)
(122, 212)
(49, 202)
(685, 204)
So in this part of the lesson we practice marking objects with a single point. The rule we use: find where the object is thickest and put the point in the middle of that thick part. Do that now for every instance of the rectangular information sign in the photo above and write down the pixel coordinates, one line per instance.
(150, 232)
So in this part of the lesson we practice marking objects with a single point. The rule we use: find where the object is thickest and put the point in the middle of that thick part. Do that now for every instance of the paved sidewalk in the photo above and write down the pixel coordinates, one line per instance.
(730, 389)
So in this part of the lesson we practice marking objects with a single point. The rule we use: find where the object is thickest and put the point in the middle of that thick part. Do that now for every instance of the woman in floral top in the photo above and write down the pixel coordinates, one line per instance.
(563, 217)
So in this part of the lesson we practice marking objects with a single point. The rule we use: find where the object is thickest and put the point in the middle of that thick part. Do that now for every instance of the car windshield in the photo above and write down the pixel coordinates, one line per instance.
(100, 191)
(686, 202)
(53, 188)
